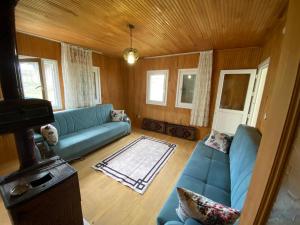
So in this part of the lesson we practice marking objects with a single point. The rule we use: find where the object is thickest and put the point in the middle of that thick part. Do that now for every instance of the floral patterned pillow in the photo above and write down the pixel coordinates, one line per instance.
(117, 115)
(206, 211)
(219, 141)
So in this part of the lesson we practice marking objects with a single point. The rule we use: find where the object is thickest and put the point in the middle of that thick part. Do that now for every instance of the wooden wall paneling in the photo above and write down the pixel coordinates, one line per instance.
(8, 154)
(166, 113)
(38, 47)
(162, 27)
(244, 58)
(281, 118)
(271, 49)
(1, 95)
(112, 80)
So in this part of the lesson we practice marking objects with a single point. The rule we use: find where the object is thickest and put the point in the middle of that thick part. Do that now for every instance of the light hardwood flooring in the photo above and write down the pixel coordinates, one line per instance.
(107, 202)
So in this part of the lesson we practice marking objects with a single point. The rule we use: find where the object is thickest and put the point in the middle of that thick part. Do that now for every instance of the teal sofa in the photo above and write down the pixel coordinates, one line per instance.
(84, 130)
(221, 177)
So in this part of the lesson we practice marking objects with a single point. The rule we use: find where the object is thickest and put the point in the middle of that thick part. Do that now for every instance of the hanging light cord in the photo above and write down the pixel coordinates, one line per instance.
(130, 30)
(130, 37)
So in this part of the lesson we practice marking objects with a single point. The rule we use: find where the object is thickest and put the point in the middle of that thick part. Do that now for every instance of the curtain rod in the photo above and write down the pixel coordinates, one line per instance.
(171, 55)
(57, 41)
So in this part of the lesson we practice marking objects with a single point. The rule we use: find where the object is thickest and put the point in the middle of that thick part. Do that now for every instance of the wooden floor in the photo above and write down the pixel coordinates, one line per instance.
(107, 202)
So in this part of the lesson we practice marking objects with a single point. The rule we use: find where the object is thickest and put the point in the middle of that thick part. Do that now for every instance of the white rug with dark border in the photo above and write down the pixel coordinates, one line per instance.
(137, 164)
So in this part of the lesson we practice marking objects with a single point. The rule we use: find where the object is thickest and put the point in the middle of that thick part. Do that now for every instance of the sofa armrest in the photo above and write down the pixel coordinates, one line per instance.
(126, 119)
(191, 221)
(173, 223)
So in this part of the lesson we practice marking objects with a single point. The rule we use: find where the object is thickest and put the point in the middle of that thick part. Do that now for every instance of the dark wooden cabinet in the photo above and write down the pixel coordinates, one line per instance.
(154, 125)
(52, 199)
(181, 131)
(171, 129)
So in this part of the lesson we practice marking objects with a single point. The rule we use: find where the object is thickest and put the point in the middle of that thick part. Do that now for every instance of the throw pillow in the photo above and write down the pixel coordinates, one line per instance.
(205, 210)
(49, 132)
(117, 115)
(219, 141)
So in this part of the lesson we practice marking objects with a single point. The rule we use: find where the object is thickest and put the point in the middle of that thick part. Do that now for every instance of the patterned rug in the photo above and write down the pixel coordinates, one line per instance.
(136, 164)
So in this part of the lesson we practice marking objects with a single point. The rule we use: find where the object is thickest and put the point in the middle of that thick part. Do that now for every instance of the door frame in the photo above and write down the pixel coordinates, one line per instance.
(259, 86)
(282, 157)
(252, 73)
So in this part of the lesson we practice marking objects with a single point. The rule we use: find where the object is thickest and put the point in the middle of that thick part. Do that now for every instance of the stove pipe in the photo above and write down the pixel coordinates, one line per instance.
(10, 78)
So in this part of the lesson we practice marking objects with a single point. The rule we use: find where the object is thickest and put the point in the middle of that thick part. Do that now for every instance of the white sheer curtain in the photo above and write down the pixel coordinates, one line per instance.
(200, 110)
(79, 84)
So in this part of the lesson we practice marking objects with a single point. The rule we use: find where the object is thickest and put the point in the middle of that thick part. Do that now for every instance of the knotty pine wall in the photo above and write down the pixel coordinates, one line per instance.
(271, 49)
(241, 58)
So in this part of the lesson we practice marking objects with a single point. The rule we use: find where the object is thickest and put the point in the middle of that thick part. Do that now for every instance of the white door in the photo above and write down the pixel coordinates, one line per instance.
(233, 99)
(259, 86)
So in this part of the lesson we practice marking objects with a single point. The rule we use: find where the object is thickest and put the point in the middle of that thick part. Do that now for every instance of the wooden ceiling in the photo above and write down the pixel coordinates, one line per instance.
(162, 26)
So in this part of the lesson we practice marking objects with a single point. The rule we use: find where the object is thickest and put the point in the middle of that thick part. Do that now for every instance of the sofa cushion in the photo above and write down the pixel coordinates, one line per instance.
(206, 164)
(189, 221)
(174, 223)
(199, 176)
(74, 145)
(70, 121)
(203, 209)
(242, 156)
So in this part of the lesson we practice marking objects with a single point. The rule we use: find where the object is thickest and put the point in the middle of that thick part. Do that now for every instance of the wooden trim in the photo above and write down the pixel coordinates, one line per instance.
(57, 41)
(39, 61)
(282, 156)
(172, 55)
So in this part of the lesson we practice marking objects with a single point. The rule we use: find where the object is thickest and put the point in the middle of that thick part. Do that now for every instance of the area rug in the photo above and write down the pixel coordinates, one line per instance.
(137, 164)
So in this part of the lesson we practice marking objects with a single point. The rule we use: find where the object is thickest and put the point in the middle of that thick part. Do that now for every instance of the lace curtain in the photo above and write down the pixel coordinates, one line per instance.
(79, 84)
(200, 109)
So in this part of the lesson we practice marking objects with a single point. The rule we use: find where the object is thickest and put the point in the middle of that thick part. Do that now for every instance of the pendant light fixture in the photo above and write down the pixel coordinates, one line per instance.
(131, 55)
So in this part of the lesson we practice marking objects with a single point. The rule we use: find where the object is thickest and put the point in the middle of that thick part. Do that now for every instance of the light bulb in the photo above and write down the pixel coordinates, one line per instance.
(131, 58)
(190, 76)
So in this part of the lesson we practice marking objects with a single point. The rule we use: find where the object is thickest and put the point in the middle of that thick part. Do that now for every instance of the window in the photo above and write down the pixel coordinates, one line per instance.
(185, 88)
(40, 80)
(52, 82)
(157, 86)
(97, 83)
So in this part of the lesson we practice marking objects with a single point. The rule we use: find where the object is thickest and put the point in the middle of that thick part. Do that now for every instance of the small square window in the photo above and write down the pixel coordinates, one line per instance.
(157, 86)
(185, 88)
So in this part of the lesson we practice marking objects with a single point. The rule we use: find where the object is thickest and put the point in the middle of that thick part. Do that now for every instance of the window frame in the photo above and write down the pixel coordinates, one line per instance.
(41, 72)
(165, 91)
(97, 71)
(41, 61)
(56, 82)
(181, 73)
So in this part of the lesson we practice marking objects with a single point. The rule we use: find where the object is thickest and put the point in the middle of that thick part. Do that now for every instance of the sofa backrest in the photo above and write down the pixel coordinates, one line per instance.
(242, 156)
(70, 121)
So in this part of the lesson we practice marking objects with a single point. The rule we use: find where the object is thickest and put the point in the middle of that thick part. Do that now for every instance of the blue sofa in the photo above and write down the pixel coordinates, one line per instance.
(221, 177)
(84, 130)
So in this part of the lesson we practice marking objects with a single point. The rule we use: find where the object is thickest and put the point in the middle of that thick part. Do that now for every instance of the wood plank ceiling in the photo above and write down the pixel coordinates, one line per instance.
(162, 26)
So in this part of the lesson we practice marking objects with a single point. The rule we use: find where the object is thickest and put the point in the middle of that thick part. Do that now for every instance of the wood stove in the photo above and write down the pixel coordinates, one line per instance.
(41, 192)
